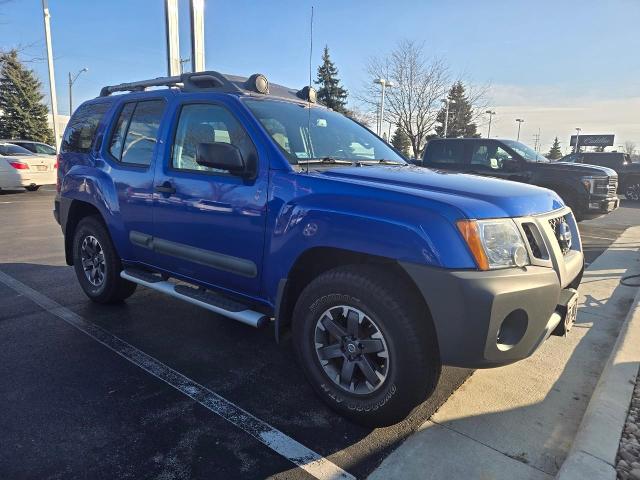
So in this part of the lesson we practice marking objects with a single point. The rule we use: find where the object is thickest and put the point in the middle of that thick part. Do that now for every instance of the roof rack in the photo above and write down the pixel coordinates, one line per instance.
(186, 81)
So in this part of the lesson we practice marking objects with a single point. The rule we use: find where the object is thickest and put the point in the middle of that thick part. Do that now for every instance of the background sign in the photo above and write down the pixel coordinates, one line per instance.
(593, 140)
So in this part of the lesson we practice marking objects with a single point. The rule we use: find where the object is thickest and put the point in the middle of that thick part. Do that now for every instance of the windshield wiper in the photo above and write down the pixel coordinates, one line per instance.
(382, 160)
(325, 160)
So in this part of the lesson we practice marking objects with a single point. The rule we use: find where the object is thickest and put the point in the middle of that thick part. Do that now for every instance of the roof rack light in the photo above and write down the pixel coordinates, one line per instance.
(258, 83)
(307, 93)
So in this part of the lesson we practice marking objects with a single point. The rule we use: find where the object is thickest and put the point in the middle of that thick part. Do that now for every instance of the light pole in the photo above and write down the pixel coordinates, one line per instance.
(52, 75)
(578, 130)
(520, 122)
(72, 80)
(384, 84)
(446, 102)
(491, 113)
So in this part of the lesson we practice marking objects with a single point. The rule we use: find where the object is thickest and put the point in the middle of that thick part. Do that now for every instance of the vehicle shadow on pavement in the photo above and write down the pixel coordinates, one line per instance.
(241, 364)
(519, 421)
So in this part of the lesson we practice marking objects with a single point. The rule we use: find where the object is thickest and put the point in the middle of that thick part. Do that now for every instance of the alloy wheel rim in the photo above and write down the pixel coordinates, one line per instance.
(351, 350)
(633, 192)
(93, 263)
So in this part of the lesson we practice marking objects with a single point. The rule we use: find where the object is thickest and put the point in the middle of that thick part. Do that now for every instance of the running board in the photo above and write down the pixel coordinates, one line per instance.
(202, 298)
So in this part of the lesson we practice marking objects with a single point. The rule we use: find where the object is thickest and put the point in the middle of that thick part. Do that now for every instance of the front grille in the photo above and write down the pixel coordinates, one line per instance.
(556, 224)
(531, 239)
(606, 186)
(613, 185)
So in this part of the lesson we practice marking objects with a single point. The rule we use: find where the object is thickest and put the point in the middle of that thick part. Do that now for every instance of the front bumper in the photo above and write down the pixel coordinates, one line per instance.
(490, 318)
(603, 205)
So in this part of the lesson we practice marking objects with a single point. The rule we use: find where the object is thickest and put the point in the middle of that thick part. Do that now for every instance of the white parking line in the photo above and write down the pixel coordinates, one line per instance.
(307, 459)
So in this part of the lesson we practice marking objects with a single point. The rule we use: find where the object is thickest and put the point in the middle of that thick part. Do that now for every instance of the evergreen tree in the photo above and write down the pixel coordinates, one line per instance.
(400, 140)
(331, 93)
(555, 153)
(460, 122)
(22, 113)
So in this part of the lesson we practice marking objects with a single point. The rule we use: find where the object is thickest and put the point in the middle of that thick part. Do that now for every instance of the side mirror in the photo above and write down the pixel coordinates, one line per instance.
(222, 156)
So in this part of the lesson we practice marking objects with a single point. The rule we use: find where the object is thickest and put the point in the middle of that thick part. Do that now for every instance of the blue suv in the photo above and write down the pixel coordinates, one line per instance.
(252, 201)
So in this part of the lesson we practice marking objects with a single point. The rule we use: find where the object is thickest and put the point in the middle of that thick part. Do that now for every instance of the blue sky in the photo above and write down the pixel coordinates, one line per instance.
(544, 54)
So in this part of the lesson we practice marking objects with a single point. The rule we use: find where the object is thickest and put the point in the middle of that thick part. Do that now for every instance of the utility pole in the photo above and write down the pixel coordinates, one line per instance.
(197, 35)
(72, 80)
(577, 147)
(446, 102)
(520, 122)
(491, 113)
(52, 75)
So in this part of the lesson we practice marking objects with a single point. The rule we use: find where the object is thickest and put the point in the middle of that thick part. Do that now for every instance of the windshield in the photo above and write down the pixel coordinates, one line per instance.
(528, 153)
(314, 133)
(13, 150)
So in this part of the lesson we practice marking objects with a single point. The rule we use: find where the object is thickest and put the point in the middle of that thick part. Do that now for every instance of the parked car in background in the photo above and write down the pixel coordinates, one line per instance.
(38, 148)
(628, 172)
(249, 200)
(20, 168)
(588, 190)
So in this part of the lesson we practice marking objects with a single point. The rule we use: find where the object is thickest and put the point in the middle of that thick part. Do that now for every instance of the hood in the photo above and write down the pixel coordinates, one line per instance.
(579, 168)
(477, 197)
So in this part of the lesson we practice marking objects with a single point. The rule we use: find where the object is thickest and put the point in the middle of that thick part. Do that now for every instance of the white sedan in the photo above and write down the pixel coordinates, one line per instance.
(19, 168)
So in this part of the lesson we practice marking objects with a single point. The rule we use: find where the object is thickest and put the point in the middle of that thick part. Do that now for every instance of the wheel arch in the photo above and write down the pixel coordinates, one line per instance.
(315, 261)
(77, 210)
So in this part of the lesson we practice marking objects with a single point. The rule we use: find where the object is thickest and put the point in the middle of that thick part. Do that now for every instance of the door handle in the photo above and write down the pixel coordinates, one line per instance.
(166, 188)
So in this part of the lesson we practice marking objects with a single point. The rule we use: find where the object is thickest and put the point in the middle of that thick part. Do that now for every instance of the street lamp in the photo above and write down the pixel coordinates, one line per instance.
(446, 102)
(520, 122)
(578, 130)
(72, 80)
(384, 84)
(491, 113)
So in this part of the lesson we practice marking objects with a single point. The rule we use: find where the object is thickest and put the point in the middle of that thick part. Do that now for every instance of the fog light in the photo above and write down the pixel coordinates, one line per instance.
(594, 205)
(519, 256)
(513, 328)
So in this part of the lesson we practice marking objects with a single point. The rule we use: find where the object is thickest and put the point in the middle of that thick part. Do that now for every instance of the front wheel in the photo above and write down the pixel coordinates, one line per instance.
(366, 344)
(32, 188)
(97, 264)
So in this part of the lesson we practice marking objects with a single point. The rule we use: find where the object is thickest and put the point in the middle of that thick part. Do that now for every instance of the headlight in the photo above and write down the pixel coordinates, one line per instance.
(494, 243)
(592, 183)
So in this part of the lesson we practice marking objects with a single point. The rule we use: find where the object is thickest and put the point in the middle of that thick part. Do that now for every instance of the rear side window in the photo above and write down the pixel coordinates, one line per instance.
(136, 132)
(445, 152)
(81, 130)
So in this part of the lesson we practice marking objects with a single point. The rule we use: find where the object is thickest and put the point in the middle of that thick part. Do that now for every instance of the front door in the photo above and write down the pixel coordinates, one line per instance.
(488, 157)
(209, 224)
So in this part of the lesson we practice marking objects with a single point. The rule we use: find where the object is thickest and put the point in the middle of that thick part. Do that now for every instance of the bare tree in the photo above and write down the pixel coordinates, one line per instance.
(413, 102)
(629, 148)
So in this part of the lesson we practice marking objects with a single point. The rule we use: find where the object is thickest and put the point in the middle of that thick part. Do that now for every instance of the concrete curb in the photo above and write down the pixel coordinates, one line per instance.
(594, 449)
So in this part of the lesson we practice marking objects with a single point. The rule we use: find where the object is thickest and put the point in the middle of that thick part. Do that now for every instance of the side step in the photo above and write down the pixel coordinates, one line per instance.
(202, 298)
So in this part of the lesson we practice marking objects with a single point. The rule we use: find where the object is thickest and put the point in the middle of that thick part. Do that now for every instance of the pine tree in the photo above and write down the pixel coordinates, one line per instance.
(555, 153)
(22, 113)
(331, 93)
(460, 122)
(400, 140)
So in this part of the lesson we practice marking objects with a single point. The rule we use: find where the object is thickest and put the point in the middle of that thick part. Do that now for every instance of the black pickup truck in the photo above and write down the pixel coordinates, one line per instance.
(587, 189)
(628, 172)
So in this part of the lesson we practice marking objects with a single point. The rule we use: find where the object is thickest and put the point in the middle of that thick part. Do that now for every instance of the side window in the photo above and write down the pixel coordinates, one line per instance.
(136, 132)
(78, 137)
(446, 153)
(200, 123)
(493, 157)
(46, 149)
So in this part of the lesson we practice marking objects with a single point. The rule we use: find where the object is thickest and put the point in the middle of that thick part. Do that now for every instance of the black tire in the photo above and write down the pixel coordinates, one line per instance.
(32, 188)
(413, 366)
(107, 286)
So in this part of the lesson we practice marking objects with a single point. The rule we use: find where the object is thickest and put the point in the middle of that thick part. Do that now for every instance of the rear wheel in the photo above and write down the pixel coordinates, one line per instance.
(366, 344)
(97, 264)
(32, 188)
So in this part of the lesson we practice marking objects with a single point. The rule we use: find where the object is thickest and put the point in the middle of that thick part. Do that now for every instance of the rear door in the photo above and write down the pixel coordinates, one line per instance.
(130, 148)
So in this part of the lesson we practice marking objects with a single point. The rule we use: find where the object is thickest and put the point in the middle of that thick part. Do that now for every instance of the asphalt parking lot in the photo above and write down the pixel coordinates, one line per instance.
(72, 407)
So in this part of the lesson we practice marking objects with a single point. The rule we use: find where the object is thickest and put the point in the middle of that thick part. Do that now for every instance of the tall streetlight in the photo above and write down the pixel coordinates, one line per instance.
(52, 76)
(520, 122)
(578, 130)
(72, 80)
(383, 84)
(491, 113)
(446, 102)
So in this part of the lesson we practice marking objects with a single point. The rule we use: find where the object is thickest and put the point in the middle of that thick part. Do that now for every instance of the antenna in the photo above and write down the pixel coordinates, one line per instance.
(309, 88)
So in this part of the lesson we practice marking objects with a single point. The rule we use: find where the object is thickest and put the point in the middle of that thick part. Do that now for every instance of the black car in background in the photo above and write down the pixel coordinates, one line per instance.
(589, 190)
(628, 172)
